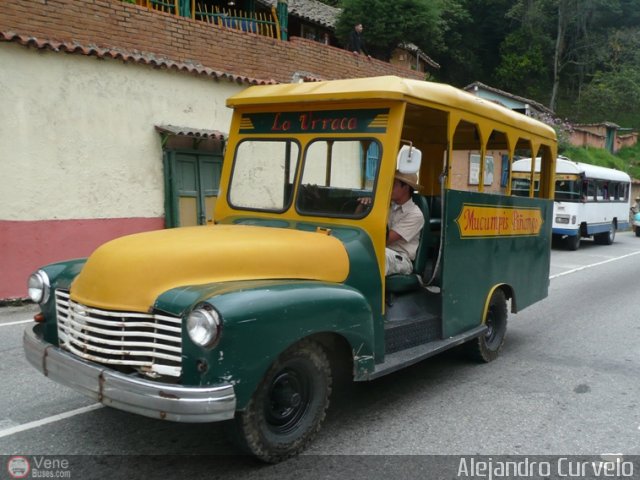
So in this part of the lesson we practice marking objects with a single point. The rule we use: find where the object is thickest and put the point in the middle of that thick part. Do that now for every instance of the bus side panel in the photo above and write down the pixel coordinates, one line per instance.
(492, 240)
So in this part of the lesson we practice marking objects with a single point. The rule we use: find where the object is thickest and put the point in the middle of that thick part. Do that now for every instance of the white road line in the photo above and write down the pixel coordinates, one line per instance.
(47, 420)
(592, 265)
(16, 323)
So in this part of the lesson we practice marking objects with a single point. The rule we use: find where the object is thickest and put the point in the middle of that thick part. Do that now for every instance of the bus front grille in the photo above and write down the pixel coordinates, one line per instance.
(149, 343)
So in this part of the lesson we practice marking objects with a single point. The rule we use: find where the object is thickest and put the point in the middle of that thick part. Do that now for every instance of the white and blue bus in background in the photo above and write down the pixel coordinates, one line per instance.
(590, 201)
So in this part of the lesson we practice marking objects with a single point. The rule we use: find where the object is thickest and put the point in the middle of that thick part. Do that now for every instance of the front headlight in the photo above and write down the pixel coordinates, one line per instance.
(39, 287)
(204, 325)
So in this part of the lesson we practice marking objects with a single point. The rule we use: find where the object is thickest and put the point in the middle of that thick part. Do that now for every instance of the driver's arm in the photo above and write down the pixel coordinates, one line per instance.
(393, 237)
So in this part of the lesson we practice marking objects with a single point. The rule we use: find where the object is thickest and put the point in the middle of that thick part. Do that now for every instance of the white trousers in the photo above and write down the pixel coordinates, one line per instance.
(397, 263)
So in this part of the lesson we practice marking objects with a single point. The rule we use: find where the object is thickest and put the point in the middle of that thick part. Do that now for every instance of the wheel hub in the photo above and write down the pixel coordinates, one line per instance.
(288, 400)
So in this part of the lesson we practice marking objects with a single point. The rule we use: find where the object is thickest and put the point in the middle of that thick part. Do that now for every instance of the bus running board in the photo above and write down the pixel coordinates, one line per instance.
(404, 358)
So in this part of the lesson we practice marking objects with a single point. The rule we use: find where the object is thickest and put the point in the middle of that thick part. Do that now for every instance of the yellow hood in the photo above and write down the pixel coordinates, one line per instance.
(129, 273)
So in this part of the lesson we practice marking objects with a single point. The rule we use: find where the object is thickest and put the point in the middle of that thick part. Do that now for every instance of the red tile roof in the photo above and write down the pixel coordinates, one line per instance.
(191, 132)
(144, 58)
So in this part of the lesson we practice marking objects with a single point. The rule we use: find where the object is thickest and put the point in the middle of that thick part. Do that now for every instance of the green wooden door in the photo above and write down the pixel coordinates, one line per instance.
(192, 180)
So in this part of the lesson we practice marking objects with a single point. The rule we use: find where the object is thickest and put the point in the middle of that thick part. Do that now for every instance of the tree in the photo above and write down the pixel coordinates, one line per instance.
(525, 52)
(473, 32)
(612, 96)
(388, 24)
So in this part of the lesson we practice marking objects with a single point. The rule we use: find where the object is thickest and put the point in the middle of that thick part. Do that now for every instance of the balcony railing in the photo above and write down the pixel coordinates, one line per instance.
(260, 23)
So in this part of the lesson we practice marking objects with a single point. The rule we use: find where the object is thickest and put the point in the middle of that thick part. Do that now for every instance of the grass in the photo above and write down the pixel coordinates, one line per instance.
(627, 159)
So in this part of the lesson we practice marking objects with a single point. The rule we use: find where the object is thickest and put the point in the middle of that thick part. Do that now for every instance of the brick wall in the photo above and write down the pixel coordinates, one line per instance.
(114, 25)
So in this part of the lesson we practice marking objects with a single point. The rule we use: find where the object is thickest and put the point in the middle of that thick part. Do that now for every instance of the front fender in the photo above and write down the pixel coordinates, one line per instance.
(60, 277)
(261, 321)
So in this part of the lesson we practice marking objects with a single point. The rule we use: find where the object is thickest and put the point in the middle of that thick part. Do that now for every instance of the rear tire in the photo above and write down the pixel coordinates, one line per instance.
(487, 347)
(606, 238)
(288, 407)
(637, 231)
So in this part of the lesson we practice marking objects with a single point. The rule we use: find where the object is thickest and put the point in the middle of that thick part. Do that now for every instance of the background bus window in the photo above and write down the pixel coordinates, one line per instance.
(614, 191)
(520, 187)
(625, 188)
(602, 190)
(590, 188)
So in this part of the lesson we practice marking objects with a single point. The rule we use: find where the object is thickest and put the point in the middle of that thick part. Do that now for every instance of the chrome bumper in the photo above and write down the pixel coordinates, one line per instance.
(128, 393)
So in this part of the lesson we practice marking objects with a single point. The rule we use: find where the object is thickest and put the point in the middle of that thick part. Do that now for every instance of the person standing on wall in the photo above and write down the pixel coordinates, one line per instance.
(356, 42)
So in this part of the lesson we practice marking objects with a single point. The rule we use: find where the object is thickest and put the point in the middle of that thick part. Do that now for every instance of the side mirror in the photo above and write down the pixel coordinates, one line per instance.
(409, 159)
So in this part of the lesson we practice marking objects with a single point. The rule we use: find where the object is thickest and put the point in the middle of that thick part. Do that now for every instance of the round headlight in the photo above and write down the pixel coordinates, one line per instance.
(203, 325)
(38, 286)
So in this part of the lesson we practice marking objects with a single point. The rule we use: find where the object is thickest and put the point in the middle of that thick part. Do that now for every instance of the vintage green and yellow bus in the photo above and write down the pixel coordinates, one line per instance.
(250, 319)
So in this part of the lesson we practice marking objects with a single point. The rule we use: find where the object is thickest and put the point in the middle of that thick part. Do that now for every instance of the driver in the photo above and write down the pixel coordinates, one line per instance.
(404, 224)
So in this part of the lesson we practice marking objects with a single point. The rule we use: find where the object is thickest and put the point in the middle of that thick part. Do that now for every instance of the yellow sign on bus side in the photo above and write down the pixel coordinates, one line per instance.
(477, 221)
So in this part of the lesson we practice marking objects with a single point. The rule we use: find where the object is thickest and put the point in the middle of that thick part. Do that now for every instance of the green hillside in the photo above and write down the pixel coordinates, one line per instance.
(627, 159)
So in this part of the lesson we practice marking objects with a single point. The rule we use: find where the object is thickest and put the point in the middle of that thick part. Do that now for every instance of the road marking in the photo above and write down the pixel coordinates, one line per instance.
(47, 420)
(16, 323)
(593, 265)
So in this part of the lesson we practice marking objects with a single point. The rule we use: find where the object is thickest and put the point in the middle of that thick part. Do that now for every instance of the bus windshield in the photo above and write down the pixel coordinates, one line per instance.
(568, 190)
(335, 174)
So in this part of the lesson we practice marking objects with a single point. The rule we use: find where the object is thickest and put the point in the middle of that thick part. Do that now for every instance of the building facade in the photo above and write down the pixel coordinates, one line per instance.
(115, 120)
(606, 135)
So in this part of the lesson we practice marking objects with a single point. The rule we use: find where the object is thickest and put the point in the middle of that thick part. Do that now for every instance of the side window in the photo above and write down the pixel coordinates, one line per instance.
(590, 189)
(614, 191)
(336, 173)
(602, 190)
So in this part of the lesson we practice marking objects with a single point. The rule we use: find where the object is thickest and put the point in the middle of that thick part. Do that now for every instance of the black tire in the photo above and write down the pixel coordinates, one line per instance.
(606, 238)
(486, 348)
(573, 242)
(637, 231)
(288, 407)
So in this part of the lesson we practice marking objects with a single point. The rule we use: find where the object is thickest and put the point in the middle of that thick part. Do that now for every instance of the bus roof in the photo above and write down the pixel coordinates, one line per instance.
(567, 166)
(417, 92)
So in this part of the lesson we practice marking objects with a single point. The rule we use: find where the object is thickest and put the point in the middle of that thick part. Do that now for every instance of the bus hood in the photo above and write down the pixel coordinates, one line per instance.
(129, 273)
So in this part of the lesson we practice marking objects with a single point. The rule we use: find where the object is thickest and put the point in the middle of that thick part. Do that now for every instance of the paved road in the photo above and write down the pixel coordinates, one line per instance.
(566, 383)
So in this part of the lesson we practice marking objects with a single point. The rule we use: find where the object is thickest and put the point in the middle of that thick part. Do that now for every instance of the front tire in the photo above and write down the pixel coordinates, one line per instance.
(288, 407)
(487, 347)
(573, 241)
(637, 231)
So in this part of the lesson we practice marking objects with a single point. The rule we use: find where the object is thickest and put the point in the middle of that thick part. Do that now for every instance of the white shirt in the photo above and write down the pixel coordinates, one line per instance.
(407, 221)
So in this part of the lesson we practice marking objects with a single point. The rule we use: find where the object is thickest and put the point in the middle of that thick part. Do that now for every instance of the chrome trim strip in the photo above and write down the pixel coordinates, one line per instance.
(129, 393)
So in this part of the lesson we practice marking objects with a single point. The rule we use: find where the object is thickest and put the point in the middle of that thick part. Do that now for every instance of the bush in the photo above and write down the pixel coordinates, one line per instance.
(623, 161)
